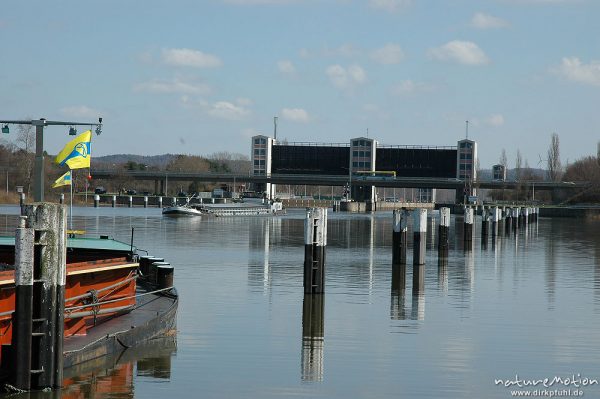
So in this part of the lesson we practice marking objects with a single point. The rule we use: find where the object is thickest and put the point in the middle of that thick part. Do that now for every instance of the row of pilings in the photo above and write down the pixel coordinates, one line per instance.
(492, 217)
(315, 244)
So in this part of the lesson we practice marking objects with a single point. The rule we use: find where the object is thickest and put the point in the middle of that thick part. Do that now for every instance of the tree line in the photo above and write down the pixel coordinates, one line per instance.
(17, 163)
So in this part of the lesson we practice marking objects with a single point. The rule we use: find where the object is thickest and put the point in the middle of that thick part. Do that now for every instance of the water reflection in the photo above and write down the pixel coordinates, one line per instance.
(398, 293)
(418, 293)
(313, 334)
(114, 376)
(443, 272)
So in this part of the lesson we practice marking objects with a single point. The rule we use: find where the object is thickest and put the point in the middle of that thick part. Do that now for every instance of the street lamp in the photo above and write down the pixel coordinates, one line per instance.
(38, 187)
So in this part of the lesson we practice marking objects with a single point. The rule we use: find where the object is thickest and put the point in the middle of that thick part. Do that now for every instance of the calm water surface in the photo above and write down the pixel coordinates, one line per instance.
(527, 305)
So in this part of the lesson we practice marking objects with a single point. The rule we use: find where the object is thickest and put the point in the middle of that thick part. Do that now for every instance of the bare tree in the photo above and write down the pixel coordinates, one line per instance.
(553, 161)
(503, 160)
(26, 143)
(518, 166)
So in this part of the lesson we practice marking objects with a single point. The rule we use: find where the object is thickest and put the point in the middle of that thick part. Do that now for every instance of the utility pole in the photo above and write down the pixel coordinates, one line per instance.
(38, 186)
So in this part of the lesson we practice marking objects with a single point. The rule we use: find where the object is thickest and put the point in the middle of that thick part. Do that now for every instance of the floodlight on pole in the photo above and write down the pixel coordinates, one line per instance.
(38, 186)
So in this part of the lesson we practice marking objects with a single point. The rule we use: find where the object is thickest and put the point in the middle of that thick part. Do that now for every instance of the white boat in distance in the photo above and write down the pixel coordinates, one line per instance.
(233, 209)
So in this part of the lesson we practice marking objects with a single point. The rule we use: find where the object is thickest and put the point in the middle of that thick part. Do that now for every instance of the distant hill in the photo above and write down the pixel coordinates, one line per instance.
(233, 162)
(159, 161)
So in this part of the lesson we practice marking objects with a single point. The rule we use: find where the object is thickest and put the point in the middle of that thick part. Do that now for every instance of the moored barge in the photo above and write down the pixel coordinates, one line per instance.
(113, 300)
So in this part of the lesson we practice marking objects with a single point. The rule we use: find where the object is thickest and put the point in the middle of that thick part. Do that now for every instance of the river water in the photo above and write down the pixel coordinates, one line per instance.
(523, 308)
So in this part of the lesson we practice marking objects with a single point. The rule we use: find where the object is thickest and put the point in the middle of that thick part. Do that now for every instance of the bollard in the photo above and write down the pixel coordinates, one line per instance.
(23, 315)
(495, 220)
(468, 228)
(130, 201)
(419, 236)
(164, 275)
(96, 200)
(525, 216)
(61, 199)
(399, 238)
(145, 202)
(154, 262)
(22, 200)
(444, 229)
(315, 242)
(113, 202)
(508, 222)
(160, 202)
(49, 223)
(174, 201)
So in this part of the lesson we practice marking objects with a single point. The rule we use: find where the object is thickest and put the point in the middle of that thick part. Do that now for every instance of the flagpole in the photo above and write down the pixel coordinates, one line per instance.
(71, 210)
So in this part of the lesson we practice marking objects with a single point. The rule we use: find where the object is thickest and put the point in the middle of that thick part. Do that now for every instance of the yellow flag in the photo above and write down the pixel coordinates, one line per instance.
(64, 180)
(77, 152)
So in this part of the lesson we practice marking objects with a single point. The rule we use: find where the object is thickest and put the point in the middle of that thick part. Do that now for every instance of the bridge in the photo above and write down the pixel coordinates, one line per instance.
(163, 177)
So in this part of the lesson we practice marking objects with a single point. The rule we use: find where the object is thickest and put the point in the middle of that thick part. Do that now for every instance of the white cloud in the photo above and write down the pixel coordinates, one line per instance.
(80, 111)
(390, 5)
(485, 21)
(345, 50)
(344, 78)
(245, 102)
(295, 115)
(177, 85)
(462, 52)
(544, 1)
(388, 54)
(495, 120)
(574, 70)
(373, 111)
(227, 110)
(190, 58)
(259, 2)
(286, 67)
(410, 87)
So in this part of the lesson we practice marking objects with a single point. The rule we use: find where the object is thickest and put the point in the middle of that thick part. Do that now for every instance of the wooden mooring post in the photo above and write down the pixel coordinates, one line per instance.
(23, 316)
(468, 228)
(399, 236)
(444, 232)
(495, 221)
(485, 218)
(315, 242)
(419, 236)
(515, 216)
(39, 313)
(507, 221)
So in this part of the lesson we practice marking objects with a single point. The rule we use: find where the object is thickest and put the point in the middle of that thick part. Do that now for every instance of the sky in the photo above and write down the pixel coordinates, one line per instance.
(198, 77)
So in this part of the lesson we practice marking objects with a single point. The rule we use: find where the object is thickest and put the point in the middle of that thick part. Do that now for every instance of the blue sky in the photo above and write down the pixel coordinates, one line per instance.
(198, 77)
